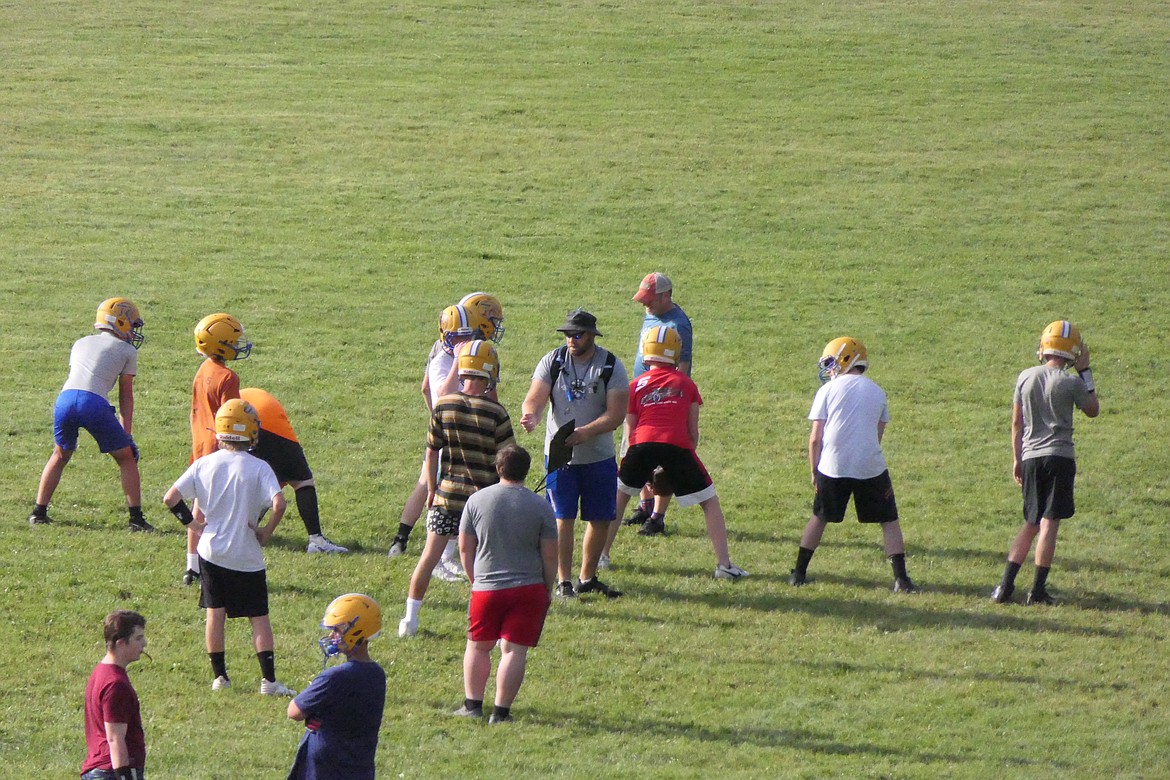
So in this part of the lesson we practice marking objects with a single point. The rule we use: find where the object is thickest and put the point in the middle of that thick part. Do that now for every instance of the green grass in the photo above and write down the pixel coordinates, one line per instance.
(937, 179)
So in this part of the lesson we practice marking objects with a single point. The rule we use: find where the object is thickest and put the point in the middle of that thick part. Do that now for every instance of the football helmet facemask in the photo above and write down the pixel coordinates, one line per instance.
(120, 317)
(840, 356)
(237, 420)
(488, 307)
(1062, 339)
(662, 344)
(355, 618)
(478, 358)
(221, 335)
(461, 322)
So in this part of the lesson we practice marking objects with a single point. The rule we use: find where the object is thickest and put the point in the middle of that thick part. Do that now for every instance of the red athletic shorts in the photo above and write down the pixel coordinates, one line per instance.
(515, 614)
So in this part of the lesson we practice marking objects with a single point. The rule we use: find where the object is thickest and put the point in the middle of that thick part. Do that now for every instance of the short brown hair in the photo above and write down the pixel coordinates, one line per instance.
(120, 624)
(513, 462)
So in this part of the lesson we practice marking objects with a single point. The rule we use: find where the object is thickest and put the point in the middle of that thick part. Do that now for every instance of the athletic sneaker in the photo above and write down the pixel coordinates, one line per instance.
(221, 683)
(1039, 596)
(449, 571)
(143, 526)
(565, 591)
(494, 718)
(468, 712)
(397, 547)
(35, 519)
(639, 516)
(319, 544)
(1002, 593)
(652, 527)
(596, 586)
(904, 585)
(190, 577)
(797, 578)
(274, 688)
(729, 572)
(407, 628)
(603, 561)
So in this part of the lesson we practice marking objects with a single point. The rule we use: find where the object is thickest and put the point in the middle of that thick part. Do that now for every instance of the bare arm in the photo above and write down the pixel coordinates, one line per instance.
(881, 431)
(616, 401)
(426, 390)
(533, 406)
(816, 440)
(116, 737)
(126, 401)
(468, 543)
(295, 712)
(1093, 407)
(264, 532)
(432, 461)
(1017, 443)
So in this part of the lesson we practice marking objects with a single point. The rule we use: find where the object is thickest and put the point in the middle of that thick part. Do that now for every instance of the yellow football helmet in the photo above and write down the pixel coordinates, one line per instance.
(662, 344)
(120, 317)
(488, 307)
(1060, 338)
(356, 617)
(461, 322)
(479, 358)
(221, 335)
(840, 356)
(237, 420)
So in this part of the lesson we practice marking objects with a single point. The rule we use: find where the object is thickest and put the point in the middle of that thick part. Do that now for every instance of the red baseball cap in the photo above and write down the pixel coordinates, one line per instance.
(652, 284)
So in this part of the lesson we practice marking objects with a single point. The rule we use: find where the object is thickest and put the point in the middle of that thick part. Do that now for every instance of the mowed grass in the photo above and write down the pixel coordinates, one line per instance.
(937, 179)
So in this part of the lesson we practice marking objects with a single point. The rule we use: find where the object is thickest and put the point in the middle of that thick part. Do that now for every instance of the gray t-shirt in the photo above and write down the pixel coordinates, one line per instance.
(579, 394)
(1046, 396)
(96, 362)
(508, 522)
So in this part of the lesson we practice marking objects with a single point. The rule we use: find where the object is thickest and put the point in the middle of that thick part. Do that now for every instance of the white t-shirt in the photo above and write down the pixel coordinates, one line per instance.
(438, 367)
(96, 362)
(851, 406)
(234, 489)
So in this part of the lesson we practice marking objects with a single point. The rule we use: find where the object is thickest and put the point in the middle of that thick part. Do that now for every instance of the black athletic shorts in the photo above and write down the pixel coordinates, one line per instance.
(689, 478)
(239, 593)
(1048, 488)
(286, 457)
(873, 498)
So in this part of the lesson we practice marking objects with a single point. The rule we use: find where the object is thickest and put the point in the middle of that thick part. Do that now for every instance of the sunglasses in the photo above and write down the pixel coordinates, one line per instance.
(577, 336)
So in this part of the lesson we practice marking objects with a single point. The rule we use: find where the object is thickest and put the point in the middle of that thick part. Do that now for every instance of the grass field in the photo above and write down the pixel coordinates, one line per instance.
(937, 179)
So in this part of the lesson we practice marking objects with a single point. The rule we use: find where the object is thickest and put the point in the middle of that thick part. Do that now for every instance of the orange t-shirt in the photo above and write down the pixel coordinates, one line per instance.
(214, 384)
(272, 415)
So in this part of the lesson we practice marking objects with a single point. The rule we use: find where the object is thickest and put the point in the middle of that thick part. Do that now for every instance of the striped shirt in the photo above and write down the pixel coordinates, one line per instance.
(469, 430)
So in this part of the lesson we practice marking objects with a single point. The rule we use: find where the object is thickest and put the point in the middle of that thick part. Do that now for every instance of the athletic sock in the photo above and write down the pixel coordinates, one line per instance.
(898, 563)
(218, 664)
(501, 712)
(267, 659)
(473, 704)
(1010, 570)
(307, 507)
(412, 608)
(1041, 578)
(193, 562)
(659, 516)
(136, 515)
(646, 505)
(803, 556)
(404, 531)
(41, 510)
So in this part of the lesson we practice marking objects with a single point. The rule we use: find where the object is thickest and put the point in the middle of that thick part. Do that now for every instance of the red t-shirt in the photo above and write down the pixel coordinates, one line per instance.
(214, 384)
(110, 698)
(662, 399)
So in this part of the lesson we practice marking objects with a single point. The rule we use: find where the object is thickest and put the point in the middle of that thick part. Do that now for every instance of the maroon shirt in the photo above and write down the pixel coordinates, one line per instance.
(110, 698)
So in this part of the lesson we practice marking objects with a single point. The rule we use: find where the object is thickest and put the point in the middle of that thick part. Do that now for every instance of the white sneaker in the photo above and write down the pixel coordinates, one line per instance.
(407, 628)
(221, 683)
(603, 561)
(448, 571)
(319, 544)
(729, 572)
(275, 688)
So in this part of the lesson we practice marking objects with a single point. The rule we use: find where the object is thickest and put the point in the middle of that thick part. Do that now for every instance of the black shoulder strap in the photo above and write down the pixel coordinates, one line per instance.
(607, 371)
(558, 365)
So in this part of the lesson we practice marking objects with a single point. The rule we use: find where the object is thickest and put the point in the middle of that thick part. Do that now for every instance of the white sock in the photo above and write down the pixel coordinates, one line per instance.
(412, 608)
(193, 562)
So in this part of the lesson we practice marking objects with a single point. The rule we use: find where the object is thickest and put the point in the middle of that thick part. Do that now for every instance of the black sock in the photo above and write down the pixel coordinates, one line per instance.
(473, 704)
(1041, 577)
(898, 563)
(40, 510)
(218, 664)
(501, 712)
(647, 505)
(404, 531)
(803, 556)
(659, 516)
(1010, 570)
(307, 506)
(136, 515)
(267, 660)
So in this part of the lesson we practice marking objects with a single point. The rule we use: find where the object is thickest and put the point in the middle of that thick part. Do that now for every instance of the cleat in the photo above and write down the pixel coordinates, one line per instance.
(652, 527)
(1039, 596)
(904, 585)
(35, 519)
(468, 712)
(407, 628)
(274, 688)
(1003, 593)
(142, 526)
(319, 544)
(596, 586)
(797, 578)
(190, 577)
(221, 683)
(397, 547)
(494, 718)
(729, 572)
(565, 591)
(603, 561)
(639, 516)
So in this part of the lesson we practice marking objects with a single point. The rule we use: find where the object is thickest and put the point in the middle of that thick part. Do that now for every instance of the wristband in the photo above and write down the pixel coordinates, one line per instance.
(181, 511)
(1087, 377)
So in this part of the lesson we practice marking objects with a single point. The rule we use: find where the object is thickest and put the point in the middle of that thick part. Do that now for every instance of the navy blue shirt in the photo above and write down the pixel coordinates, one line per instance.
(344, 707)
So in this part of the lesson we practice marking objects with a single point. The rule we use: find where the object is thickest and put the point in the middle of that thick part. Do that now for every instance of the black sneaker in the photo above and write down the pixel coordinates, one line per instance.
(1002, 593)
(468, 712)
(494, 718)
(1039, 596)
(596, 586)
(190, 577)
(565, 591)
(652, 527)
(904, 585)
(797, 578)
(142, 525)
(639, 516)
(35, 519)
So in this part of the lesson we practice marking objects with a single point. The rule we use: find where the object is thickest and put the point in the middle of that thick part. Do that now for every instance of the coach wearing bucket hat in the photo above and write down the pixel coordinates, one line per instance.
(587, 385)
